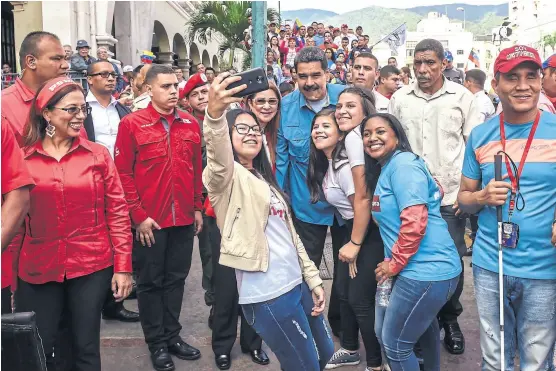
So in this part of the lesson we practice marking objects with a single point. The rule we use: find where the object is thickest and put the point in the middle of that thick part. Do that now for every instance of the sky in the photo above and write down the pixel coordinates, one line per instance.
(350, 5)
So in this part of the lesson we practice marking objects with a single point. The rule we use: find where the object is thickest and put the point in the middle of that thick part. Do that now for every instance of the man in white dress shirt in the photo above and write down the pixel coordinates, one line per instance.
(475, 83)
(101, 126)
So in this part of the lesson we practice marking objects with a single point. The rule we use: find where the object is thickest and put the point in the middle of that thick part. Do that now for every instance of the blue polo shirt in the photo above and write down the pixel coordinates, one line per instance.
(292, 155)
(534, 257)
(405, 181)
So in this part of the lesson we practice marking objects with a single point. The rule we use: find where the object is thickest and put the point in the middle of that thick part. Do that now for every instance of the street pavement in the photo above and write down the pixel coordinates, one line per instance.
(123, 346)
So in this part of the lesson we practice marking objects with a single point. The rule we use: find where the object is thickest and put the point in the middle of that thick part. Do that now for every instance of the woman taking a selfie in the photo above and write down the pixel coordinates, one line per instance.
(424, 259)
(279, 287)
(77, 240)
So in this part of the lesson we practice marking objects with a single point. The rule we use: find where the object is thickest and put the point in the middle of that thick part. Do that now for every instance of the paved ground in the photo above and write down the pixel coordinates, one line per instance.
(123, 347)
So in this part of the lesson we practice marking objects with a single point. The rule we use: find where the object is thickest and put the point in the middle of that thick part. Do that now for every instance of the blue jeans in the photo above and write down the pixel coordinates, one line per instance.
(529, 320)
(411, 316)
(300, 341)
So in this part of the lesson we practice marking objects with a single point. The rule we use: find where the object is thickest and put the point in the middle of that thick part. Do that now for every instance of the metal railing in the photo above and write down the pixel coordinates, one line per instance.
(79, 77)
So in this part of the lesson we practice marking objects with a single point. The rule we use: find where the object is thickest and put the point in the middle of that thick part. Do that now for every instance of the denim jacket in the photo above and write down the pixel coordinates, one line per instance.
(292, 155)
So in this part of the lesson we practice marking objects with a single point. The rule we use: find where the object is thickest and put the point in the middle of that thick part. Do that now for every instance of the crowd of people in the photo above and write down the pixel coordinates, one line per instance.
(104, 190)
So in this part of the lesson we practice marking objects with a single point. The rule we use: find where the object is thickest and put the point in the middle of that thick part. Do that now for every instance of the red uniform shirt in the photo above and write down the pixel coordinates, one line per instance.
(78, 222)
(160, 166)
(14, 175)
(16, 105)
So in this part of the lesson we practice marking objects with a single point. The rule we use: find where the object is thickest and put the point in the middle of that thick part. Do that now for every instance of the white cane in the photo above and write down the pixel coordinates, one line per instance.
(498, 177)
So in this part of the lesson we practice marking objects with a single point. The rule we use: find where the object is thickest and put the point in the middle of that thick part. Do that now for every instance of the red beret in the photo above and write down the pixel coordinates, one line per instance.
(198, 79)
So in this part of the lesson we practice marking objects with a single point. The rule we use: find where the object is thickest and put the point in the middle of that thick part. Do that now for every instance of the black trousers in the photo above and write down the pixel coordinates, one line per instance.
(205, 251)
(6, 300)
(456, 226)
(80, 301)
(161, 273)
(226, 307)
(357, 297)
(313, 237)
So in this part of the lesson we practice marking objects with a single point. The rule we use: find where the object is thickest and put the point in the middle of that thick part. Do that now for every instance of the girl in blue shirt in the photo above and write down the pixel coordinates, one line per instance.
(424, 259)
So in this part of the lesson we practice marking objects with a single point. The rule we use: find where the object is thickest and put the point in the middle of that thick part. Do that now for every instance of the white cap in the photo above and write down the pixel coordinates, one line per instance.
(128, 68)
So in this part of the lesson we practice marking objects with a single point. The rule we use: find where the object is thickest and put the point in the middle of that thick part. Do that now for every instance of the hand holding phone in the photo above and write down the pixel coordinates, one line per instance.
(255, 79)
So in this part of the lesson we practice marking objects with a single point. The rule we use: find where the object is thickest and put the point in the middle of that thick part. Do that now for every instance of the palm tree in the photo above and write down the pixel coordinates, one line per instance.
(228, 18)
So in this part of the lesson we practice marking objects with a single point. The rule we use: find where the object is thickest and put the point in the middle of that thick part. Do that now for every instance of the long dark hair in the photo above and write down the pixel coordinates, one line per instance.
(271, 129)
(372, 167)
(35, 127)
(318, 163)
(261, 163)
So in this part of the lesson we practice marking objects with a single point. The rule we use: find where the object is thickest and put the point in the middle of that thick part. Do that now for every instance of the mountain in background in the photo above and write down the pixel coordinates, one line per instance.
(306, 16)
(378, 21)
(472, 12)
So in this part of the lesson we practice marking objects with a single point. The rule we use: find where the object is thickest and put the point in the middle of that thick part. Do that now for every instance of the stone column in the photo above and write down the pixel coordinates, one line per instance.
(184, 65)
(27, 18)
(165, 58)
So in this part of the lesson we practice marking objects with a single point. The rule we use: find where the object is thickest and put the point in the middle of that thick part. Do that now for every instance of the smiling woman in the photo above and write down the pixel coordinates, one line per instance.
(77, 240)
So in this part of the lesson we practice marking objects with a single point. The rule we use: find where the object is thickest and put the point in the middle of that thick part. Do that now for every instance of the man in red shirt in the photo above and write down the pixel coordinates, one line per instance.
(42, 58)
(16, 183)
(158, 157)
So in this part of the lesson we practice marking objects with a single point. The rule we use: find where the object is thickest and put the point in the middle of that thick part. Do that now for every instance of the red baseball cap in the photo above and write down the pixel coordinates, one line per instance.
(511, 57)
(345, 26)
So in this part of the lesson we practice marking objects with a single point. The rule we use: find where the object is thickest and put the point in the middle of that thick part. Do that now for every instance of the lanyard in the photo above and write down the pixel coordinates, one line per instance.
(514, 178)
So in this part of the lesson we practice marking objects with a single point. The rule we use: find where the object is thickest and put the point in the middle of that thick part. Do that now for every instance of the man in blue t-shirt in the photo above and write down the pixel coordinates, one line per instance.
(530, 267)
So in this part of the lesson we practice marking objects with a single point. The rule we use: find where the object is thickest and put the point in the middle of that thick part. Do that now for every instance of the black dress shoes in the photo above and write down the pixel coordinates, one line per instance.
(182, 350)
(162, 361)
(223, 361)
(120, 314)
(258, 356)
(453, 338)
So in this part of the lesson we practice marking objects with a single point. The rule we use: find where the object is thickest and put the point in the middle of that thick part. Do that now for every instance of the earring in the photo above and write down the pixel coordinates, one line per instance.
(50, 130)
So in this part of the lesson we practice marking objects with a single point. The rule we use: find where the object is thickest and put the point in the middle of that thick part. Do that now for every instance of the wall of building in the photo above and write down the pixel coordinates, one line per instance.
(27, 18)
(134, 27)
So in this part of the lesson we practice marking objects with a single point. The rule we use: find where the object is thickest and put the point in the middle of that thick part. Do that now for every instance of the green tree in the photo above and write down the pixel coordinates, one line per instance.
(227, 18)
(550, 40)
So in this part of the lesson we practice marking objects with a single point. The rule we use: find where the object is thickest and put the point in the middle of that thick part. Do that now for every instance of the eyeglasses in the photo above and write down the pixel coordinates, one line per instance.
(271, 102)
(86, 110)
(105, 75)
(243, 129)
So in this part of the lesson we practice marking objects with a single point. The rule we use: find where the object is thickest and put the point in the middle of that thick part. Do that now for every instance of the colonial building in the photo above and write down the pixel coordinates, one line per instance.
(127, 28)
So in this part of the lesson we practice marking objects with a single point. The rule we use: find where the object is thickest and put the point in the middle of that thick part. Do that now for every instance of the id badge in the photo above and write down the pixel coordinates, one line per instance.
(510, 235)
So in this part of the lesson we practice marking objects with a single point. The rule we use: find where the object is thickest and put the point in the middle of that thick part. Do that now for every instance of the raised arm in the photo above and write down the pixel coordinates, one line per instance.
(220, 159)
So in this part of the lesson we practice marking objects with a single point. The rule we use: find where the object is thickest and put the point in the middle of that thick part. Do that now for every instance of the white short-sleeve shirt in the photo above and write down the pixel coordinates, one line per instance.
(338, 185)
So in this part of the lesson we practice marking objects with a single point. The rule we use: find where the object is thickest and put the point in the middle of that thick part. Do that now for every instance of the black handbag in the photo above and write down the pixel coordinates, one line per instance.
(21, 344)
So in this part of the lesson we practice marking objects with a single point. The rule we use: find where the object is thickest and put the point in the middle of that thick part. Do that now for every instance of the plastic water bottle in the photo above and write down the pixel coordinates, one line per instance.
(384, 290)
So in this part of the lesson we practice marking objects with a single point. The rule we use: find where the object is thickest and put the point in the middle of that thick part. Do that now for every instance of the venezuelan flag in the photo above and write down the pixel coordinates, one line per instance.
(474, 58)
(296, 25)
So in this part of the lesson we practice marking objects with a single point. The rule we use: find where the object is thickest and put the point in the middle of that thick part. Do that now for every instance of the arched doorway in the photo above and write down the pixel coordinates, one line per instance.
(161, 44)
(180, 54)
(194, 54)
(195, 57)
(215, 63)
(206, 59)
